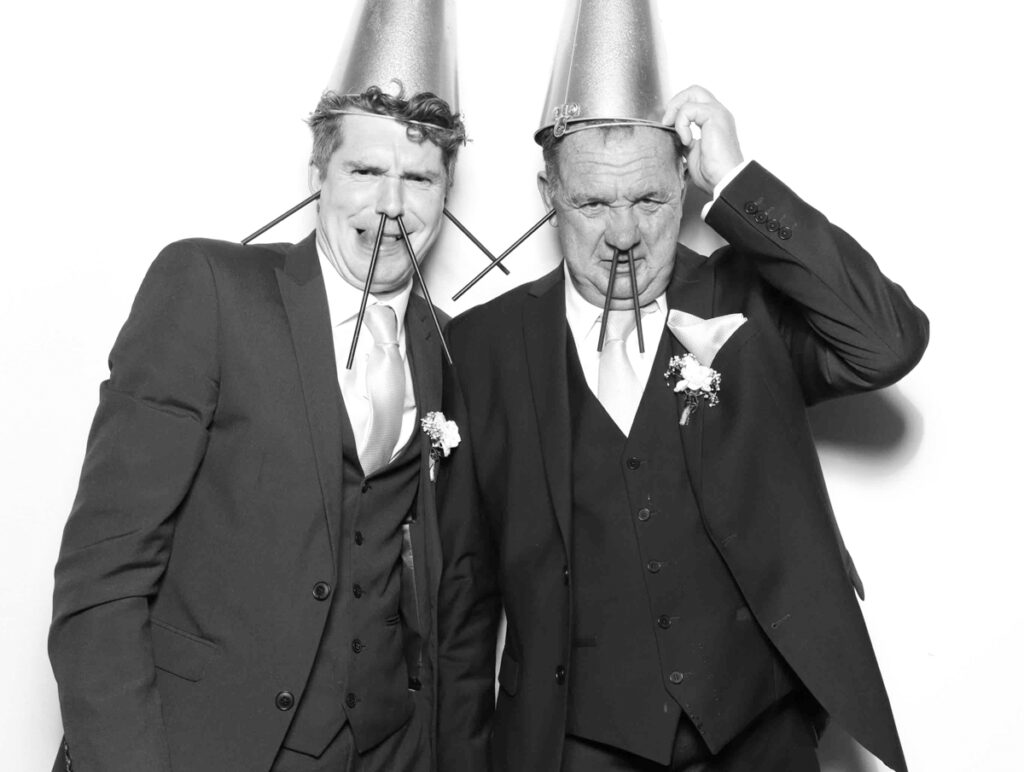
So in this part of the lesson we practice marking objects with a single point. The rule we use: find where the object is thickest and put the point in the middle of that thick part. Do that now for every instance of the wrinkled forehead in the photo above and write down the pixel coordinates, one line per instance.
(369, 134)
(623, 153)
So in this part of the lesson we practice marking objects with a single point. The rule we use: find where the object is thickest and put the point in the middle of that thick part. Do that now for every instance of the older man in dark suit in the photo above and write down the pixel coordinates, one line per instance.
(248, 577)
(655, 524)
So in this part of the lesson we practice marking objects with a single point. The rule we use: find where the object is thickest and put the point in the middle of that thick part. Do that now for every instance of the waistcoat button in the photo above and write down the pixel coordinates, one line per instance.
(321, 590)
(644, 514)
(653, 566)
(559, 675)
(633, 463)
(350, 700)
(676, 677)
(284, 700)
(664, 622)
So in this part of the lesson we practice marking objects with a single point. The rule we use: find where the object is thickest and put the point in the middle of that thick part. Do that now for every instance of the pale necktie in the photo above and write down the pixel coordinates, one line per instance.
(618, 388)
(385, 385)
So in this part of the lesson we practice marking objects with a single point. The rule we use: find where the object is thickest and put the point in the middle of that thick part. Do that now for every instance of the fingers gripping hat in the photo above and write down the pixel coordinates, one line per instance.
(607, 68)
(405, 46)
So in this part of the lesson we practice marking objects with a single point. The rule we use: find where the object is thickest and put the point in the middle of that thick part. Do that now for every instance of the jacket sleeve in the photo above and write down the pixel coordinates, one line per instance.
(848, 328)
(469, 609)
(147, 440)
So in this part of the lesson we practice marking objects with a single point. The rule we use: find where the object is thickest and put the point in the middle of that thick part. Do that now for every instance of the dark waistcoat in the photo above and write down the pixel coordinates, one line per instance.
(360, 673)
(660, 629)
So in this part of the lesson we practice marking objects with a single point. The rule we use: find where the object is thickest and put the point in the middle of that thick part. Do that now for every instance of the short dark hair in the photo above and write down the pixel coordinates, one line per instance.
(550, 144)
(425, 115)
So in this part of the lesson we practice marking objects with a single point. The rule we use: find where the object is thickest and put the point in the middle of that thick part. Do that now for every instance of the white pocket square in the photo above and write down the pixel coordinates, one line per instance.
(703, 337)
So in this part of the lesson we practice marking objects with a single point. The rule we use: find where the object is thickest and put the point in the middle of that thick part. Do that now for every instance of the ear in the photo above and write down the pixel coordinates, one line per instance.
(314, 181)
(544, 188)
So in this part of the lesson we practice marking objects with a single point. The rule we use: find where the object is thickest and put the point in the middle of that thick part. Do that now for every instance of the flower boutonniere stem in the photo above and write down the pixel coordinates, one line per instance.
(698, 384)
(443, 435)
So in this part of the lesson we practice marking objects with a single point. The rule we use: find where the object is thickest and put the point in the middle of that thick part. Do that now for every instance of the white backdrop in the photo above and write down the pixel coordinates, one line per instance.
(125, 127)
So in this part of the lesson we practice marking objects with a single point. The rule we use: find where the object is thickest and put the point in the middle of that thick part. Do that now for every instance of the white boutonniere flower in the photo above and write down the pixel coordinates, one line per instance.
(698, 384)
(443, 435)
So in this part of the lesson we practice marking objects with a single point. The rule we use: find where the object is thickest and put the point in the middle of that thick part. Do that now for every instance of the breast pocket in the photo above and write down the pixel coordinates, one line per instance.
(180, 653)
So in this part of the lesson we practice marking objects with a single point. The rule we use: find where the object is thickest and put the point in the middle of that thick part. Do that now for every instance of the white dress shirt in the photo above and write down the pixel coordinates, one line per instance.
(584, 321)
(343, 304)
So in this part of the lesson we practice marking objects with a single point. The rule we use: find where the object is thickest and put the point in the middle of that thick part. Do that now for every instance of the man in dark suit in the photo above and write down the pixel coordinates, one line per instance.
(248, 578)
(677, 596)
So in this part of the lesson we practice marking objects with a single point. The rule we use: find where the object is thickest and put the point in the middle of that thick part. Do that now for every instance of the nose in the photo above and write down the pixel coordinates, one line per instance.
(390, 199)
(622, 231)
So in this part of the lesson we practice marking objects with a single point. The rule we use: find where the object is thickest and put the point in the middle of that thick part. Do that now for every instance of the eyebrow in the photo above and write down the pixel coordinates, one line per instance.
(376, 168)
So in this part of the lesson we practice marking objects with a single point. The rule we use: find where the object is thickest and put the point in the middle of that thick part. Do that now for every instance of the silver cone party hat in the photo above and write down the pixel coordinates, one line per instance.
(607, 68)
(407, 44)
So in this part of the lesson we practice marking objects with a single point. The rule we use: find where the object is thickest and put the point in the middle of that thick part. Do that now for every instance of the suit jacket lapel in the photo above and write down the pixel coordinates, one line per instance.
(692, 290)
(424, 351)
(544, 331)
(305, 301)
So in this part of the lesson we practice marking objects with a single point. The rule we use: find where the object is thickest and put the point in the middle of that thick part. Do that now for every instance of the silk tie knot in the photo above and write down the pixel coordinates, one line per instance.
(383, 324)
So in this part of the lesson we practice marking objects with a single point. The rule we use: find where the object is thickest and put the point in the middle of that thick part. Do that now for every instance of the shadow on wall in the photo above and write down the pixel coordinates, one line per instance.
(881, 427)
(838, 752)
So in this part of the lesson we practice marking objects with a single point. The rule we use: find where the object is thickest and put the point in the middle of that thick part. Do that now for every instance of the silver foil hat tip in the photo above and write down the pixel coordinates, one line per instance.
(607, 68)
(400, 46)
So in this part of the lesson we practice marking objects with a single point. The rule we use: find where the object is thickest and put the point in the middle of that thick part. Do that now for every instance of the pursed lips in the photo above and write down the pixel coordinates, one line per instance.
(623, 261)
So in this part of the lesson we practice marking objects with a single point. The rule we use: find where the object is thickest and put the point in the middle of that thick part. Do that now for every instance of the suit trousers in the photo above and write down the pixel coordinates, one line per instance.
(407, 750)
(781, 740)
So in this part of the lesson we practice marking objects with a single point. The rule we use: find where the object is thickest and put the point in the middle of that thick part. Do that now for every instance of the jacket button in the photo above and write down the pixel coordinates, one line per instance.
(565, 574)
(284, 700)
(644, 515)
(772, 225)
(785, 232)
(653, 566)
(676, 677)
(633, 463)
(559, 675)
(350, 700)
(321, 590)
(664, 621)
(357, 590)
(358, 646)
(760, 218)
(359, 538)
(750, 207)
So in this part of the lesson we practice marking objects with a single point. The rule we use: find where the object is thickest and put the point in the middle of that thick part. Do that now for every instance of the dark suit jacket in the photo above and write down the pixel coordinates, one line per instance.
(822, 321)
(209, 507)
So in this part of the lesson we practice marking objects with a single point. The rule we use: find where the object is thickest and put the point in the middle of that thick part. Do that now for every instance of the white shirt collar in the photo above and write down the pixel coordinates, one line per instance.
(583, 317)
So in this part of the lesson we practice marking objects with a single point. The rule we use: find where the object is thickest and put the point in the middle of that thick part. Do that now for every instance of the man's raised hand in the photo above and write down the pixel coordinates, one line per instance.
(717, 152)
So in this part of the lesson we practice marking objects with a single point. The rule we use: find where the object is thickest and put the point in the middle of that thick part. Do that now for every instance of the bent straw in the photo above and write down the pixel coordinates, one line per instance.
(503, 255)
(636, 301)
(423, 286)
(608, 300)
(473, 238)
(366, 290)
(278, 219)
